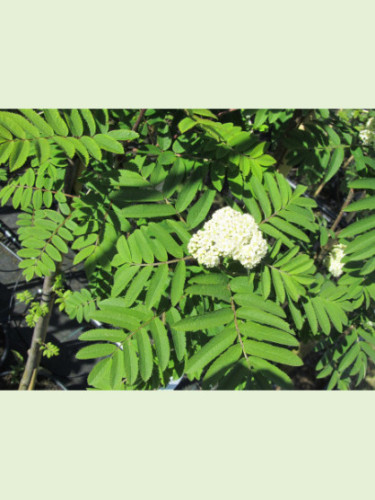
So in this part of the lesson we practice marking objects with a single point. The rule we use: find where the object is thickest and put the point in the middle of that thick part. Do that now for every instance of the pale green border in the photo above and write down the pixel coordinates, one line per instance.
(187, 445)
(174, 53)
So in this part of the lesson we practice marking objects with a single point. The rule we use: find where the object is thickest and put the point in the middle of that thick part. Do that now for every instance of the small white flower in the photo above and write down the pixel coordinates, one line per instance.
(228, 234)
(370, 125)
(334, 263)
(366, 136)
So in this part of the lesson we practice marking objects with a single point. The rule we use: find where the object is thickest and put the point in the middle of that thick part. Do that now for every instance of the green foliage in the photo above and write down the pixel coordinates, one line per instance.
(35, 309)
(49, 350)
(346, 357)
(123, 205)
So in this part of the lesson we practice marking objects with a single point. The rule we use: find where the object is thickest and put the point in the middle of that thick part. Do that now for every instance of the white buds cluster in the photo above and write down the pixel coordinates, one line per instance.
(367, 135)
(228, 234)
(334, 263)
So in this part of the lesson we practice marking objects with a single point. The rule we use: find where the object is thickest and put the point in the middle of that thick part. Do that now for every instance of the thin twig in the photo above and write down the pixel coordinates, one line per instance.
(30, 373)
(139, 119)
(178, 213)
(342, 209)
(333, 228)
(322, 184)
(39, 335)
(226, 111)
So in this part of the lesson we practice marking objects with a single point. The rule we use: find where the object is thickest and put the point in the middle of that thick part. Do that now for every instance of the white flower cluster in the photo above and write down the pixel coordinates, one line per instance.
(228, 234)
(334, 263)
(367, 135)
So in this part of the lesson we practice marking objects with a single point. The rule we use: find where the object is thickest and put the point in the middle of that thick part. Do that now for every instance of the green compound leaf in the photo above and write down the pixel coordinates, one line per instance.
(261, 332)
(199, 211)
(189, 191)
(45, 129)
(220, 292)
(178, 282)
(145, 354)
(178, 336)
(5, 151)
(254, 300)
(157, 286)
(89, 119)
(56, 122)
(364, 183)
(8, 122)
(272, 372)
(130, 361)
(43, 150)
(96, 351)
(365, 204)
(221, 365)
(263, 317)
(142, 240)
(104, 334)
(160, 337)
(261, 195)
(349, 358)
(148, 211)
(358, 227)
(272, 353)
(218, 344)
(311, 316)
(122, 278)
(166, 240)
(92, 147)
(83, 254)
(123, 135)
(99, 375)
(116, 315)
(137, 286)
(75, 122)
(210, 279)
(186, 124)
(108, 143)
(18, 155)
(66, 145)
(335, 164)
(204, 321)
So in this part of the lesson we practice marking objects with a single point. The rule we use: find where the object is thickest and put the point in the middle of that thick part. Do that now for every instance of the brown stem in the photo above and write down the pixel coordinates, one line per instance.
(342, 209)
(320, 187)
(39, 335)
(226, 111)
(29, 375)
(33, 380)
(322, 184)
(139, 119)
(330, 243)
